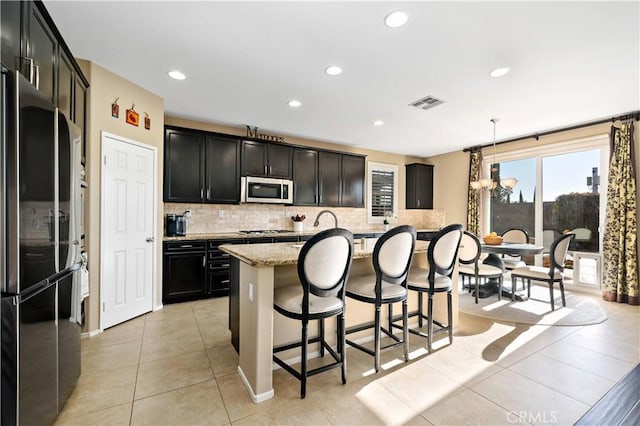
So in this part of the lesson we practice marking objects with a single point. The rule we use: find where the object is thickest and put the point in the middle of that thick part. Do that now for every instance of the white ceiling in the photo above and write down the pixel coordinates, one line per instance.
(571, 63)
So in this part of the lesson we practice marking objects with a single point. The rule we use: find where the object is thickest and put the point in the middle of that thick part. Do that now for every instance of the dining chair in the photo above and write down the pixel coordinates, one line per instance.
(324, 263)
(514, 235)
(470, 267)
(441, 256)
(551, 275)
(391, 259)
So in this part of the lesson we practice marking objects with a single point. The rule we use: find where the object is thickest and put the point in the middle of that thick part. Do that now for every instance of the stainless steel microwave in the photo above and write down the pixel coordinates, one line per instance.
(266, 190)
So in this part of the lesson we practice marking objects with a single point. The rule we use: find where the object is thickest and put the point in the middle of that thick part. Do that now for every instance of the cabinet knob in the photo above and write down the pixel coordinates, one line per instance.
(150, 239)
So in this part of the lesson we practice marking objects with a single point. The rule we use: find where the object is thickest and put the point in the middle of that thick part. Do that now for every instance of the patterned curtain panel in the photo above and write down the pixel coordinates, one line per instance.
(473, 198)
(620, 254)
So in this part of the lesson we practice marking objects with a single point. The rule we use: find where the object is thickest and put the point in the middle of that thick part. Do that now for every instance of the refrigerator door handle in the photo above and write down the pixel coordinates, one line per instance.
(56, 191)
(3, 179)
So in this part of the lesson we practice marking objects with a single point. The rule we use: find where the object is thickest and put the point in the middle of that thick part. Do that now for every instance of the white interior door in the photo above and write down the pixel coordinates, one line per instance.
(128, 229)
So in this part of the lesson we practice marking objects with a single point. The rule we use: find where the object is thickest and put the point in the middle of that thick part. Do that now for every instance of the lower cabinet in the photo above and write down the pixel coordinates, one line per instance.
(184, 271)
(218, 267)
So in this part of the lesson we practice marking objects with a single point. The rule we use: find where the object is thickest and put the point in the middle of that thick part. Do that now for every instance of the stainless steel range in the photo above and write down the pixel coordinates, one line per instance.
(265, 231)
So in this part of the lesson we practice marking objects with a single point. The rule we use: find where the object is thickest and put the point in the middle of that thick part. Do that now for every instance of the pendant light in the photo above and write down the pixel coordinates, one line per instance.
(489, 184)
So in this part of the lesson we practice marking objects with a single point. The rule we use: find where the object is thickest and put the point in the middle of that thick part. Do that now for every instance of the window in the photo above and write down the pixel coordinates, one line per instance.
(382, 194)
(558, 191)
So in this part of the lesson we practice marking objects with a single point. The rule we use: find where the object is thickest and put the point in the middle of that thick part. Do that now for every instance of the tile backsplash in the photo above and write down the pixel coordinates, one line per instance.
(212, 218)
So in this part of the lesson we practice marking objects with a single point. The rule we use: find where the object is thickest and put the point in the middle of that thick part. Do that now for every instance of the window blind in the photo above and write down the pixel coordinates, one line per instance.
(381, 192)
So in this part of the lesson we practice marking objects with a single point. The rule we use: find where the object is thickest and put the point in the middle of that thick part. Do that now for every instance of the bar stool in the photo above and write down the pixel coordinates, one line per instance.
(391, 262)
(441, 255)
(324, 263)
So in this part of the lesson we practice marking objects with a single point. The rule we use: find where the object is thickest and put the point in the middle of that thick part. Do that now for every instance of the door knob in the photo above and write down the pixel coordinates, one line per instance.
(150, 240)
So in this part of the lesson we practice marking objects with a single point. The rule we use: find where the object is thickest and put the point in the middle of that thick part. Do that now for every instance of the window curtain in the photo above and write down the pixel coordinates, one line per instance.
(620, 253)
(473, 198)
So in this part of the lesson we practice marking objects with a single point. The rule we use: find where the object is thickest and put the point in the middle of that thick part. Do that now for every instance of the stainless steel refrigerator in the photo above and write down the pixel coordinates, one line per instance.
(39, 255)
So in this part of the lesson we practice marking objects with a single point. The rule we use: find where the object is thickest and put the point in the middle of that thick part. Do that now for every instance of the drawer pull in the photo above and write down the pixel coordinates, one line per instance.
(225, 281)
(225, 265)
(186, 245)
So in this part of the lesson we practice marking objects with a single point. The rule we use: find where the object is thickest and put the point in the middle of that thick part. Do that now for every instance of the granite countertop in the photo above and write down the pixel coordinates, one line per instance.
(237, 234)
(274, 254)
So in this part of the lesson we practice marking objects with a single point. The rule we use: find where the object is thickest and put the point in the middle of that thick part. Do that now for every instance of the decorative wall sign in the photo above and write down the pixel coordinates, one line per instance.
(253, 133)
(115, 109)
(147, 121)
(133, 117)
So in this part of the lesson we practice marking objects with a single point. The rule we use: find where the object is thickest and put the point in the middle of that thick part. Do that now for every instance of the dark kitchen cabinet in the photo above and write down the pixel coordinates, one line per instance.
(341, 180)
(66, 85)
(184, 271)
(305, 177)
(218, 267)
(41, 51)
(352, 181)
(32, 45)
(199, 167)
(266, 159)
(222, 170)
(11, 24)
(329, 181)
(183, 166)
(419, 186)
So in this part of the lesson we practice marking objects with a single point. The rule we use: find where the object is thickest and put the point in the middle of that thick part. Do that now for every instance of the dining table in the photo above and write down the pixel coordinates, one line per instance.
(493, 258)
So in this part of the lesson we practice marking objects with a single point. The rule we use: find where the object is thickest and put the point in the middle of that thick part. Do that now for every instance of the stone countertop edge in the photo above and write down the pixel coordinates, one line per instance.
(237, 234)
(276, 254)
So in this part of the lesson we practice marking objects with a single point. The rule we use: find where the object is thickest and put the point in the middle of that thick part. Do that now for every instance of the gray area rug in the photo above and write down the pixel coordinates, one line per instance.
(536, 310)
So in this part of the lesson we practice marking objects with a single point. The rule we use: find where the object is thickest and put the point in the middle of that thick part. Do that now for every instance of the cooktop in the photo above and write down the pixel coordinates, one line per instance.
(265, 231)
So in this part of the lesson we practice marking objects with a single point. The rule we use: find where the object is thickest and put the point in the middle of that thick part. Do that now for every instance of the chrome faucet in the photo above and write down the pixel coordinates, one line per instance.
(317, 221)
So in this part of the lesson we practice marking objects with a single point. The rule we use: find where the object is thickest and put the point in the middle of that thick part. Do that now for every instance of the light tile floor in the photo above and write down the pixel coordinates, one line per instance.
(177, 367)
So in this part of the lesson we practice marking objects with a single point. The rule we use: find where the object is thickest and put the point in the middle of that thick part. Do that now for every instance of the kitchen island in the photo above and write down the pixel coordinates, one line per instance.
(263, 267)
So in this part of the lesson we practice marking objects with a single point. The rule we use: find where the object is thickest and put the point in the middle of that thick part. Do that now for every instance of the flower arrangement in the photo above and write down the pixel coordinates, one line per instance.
(298, 218)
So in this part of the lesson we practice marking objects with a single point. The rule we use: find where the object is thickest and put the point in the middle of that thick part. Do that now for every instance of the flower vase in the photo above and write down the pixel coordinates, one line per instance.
(298, 226)
(386, 227)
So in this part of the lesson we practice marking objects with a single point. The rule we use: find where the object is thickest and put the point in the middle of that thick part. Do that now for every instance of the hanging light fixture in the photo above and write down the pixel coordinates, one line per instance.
(489, 184)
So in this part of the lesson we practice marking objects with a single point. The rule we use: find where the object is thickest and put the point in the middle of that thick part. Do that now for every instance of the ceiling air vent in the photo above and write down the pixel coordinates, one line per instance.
(426, 102)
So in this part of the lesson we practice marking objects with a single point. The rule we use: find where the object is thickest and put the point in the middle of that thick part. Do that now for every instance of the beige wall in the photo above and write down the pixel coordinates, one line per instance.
(105, 87)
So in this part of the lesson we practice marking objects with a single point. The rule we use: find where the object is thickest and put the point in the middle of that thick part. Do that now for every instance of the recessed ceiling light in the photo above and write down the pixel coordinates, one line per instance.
(294, 103)
(177, 75)
(396, 19)
(333, 70)
(499, 72)
(378, 123)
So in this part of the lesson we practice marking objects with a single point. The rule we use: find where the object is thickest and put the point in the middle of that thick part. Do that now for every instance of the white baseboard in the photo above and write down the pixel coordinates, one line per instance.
(158, 307)
(255, 398)
(90, 334)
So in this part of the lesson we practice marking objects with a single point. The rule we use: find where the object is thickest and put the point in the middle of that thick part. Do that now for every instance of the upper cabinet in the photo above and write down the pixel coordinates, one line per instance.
(305, 177)
(204, 167)
(222, 164)
(266, 159)
(32, 45)
(419, 186)
(10, 23)
(41, 54)
(200, 168)
(353, 173)
(183, 166)
(341, 180)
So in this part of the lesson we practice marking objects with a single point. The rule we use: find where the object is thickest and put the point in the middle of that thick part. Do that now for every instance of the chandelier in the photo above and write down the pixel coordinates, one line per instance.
(489, 184)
